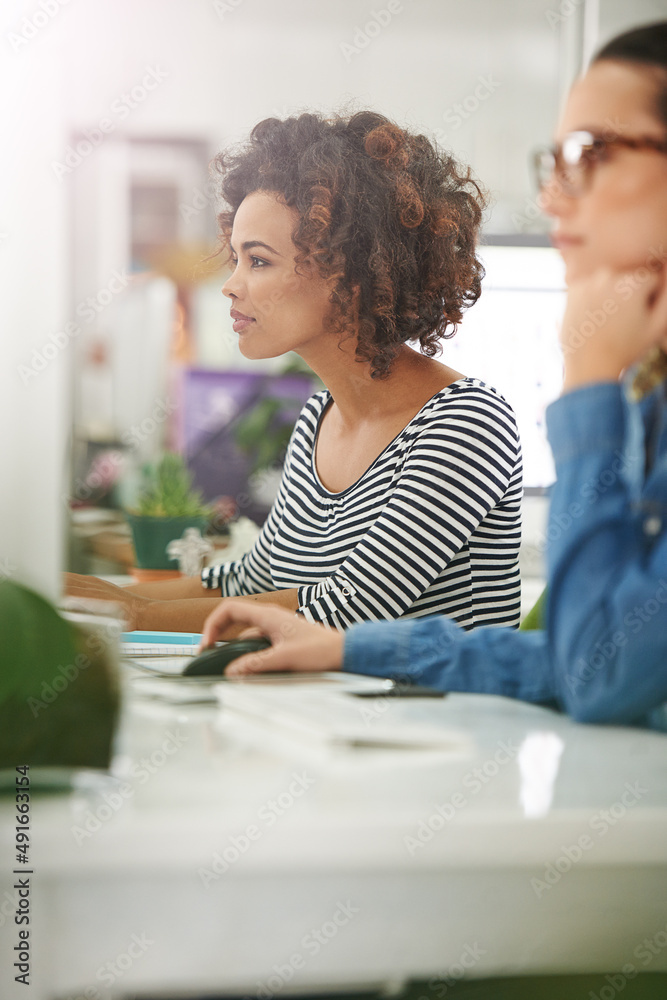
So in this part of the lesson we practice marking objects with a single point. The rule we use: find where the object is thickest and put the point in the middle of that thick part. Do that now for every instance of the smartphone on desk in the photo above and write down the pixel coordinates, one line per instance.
(402, 691)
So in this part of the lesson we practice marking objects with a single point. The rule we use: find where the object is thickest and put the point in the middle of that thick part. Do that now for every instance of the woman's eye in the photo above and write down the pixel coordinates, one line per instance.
(599, 151)
(255, 262)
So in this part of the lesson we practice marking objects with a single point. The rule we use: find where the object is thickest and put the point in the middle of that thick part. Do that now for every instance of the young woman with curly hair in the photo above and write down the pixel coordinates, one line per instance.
(350, 238)
(602, 654)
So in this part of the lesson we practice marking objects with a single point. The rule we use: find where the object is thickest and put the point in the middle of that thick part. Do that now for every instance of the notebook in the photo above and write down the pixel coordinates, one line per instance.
(160, 643)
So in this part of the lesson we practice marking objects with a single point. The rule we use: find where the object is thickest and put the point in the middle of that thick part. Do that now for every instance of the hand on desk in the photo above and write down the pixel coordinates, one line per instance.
(295, 643)
(180, 605)
(91, 588)
(164, 605)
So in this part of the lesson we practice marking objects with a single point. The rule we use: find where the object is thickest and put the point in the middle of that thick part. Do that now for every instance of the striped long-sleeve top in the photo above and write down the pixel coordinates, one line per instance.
(432, 526)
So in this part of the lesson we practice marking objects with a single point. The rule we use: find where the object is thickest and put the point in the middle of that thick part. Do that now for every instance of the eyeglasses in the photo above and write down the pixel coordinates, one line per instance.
(572, 162)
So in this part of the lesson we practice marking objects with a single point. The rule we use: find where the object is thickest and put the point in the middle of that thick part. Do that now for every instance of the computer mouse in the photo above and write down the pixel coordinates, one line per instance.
(214, 661)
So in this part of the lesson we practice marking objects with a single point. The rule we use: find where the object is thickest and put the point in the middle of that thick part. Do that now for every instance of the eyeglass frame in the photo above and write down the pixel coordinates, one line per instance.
(585, 164)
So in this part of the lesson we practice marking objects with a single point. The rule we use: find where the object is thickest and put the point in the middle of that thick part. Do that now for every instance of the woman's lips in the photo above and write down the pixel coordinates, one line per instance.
(563, 242)
(240, 321)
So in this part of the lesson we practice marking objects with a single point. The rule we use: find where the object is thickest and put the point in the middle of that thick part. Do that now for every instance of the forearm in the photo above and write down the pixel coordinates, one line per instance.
(186, 615)
(172, 590)
(189, 615)
(435, 652)
(287, 599)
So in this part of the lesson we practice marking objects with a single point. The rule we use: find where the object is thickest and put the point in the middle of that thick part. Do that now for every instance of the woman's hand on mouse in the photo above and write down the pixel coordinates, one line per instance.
(295, 643)
(611, 322)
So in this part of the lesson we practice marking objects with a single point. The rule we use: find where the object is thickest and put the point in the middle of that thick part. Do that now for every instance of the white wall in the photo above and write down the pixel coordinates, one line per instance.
(34, 277)
(228, 66)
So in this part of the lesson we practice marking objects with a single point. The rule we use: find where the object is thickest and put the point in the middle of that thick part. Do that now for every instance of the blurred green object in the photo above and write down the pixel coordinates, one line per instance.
(263, 432)
(59, 695)
(535, 617)
(168, 491)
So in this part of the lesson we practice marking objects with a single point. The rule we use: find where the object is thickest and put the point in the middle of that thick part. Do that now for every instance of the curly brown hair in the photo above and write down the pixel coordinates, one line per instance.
(393, 220)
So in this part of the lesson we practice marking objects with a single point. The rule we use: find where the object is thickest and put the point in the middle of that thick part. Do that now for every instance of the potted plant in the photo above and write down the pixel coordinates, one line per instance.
(168, 505)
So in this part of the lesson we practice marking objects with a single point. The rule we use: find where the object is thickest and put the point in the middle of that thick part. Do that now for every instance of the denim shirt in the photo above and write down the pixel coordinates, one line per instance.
(603, 654)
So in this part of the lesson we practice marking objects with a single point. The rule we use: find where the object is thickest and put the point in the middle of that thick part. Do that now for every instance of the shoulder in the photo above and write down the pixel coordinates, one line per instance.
(308, 421)
(311, 413)
(471, 401)
(314, 407)
(471, 389)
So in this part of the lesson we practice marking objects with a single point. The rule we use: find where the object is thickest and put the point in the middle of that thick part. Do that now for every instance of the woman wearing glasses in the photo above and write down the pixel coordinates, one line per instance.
(603, 653)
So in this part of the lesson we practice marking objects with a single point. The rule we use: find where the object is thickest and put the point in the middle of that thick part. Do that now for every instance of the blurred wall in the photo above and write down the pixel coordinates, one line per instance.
(35, 275)
(484, 77)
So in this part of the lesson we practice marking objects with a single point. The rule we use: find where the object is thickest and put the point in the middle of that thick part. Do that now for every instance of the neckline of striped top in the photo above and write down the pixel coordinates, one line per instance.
(467, 381)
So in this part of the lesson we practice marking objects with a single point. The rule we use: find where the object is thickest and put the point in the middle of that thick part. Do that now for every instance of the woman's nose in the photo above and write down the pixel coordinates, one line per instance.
(553, 199)
(231, 286)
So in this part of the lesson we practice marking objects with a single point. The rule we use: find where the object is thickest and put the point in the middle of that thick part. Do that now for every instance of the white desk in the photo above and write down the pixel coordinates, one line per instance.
(334, 863)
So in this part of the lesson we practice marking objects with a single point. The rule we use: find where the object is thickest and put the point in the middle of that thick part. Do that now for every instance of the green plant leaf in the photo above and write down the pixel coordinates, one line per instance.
(263, 432)
(58, 694)
(168, 491)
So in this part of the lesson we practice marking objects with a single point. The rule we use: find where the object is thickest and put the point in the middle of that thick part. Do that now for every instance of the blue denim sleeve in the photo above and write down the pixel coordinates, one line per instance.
(434, 651)
(607, 563)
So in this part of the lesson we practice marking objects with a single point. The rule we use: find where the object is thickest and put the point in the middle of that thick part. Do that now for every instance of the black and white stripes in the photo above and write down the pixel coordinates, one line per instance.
(432, 527)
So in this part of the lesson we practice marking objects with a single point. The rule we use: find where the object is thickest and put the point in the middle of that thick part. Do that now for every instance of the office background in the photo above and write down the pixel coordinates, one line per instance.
(111, 113)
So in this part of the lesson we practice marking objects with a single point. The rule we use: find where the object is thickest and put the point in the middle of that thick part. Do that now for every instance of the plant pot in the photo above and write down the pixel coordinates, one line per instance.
(151, 536)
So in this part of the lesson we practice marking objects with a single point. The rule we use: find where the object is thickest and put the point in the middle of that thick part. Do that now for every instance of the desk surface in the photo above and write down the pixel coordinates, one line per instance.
(222, 857)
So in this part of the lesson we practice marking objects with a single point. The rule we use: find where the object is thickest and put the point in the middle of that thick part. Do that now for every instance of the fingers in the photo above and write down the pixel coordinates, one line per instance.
(270, 621)
(295, 644)
(310, 648)
(280, 657)
(612, 321)
(251, 633)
